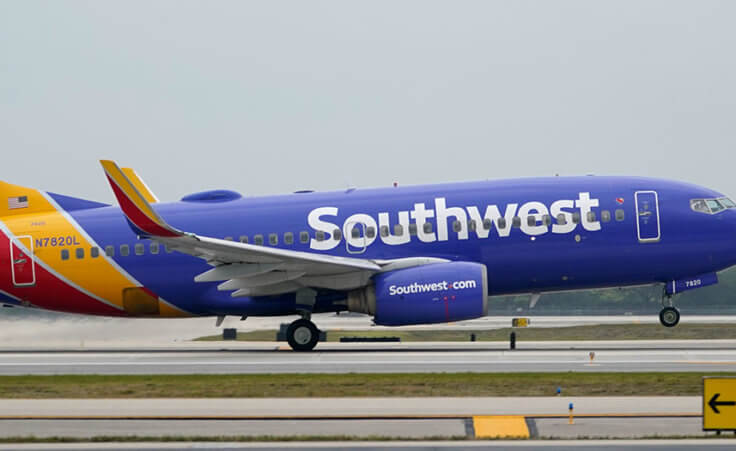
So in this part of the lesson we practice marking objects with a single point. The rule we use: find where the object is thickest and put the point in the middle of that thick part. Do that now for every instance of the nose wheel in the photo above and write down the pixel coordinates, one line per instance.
(302, 335)
(669, 316)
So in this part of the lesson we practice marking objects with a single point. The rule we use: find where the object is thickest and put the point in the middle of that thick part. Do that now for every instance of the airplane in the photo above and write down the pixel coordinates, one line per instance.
(405, 255)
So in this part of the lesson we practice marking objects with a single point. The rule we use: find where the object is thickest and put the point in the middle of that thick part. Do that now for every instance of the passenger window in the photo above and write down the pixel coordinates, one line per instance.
(168, 249)
(110, 251)
(619, 215)
(229, 238)
(427, 227)
(576, 218)
(606, 216)
(547, 220)
(244, 239)
(591, 216)
(273, 239)
(289, 238)
(304, 236)
(370, 232)
(124, 250)
(561, 219)
(154, 247)
(384, 231)
(516, 222)
(79, 253)
(65, 254)
(258, 240)
(398, 230)
(94, 252)
(337, 234)
(531, 221)
(319, 235)
(355, 232)
(138, 248)
(501, 223)
(471, 225)
(413, 229)
(457, 226)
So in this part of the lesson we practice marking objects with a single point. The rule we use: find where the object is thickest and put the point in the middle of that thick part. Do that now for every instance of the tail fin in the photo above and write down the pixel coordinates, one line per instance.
(142, 217)
(18, 200)
(140, 185)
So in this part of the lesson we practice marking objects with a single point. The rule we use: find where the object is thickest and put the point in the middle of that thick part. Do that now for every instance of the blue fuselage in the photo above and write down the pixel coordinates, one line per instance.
(614, 231)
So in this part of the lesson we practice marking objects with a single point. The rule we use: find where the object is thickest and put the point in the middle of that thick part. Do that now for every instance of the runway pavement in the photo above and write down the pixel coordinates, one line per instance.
(711, 356)
(77, 331)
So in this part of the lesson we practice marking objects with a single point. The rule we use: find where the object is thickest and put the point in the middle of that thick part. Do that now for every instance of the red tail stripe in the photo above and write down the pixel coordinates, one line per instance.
(136, 216)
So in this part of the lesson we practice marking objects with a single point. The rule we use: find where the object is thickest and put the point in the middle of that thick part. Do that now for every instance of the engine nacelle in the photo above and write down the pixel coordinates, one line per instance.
(436, 293)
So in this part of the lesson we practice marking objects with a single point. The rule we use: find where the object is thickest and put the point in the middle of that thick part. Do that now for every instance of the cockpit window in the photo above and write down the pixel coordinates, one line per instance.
(711, 206)
(714, 205)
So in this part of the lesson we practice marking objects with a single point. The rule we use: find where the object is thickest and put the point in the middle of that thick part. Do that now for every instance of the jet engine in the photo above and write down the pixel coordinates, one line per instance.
(435, 293)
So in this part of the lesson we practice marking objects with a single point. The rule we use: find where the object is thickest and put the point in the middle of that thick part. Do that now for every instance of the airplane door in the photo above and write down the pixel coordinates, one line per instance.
(647, 216)
(22, 265)
(356, 240)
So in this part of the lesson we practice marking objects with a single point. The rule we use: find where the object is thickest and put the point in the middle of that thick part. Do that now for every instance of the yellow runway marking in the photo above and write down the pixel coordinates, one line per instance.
(500, 427)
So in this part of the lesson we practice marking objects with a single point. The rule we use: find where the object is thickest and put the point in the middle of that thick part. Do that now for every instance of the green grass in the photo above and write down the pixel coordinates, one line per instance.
(221, 438)
(347, 385)
(596, 332)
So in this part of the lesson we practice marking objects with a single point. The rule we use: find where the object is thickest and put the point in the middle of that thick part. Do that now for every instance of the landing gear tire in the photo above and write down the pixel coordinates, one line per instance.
(669, 317)
(302, 335)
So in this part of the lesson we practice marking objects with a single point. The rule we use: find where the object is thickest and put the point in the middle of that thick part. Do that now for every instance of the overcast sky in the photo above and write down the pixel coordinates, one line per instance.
(273, 96)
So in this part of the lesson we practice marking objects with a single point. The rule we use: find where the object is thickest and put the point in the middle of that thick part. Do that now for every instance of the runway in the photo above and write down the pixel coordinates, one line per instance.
(370, 358)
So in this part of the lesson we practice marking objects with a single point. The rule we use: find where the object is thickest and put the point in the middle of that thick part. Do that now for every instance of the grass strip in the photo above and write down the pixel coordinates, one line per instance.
(322, 438)
(595, 332)
(222, 438)
(351, 385)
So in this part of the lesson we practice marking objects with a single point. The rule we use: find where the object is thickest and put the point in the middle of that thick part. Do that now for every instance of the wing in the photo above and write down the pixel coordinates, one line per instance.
(246, 269)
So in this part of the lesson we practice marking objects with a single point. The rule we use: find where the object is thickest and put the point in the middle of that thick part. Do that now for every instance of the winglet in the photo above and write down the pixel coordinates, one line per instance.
(138, 182)
(142, 217)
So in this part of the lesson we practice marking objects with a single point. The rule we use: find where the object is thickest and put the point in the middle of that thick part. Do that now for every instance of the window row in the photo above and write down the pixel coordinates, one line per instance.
(94, 252)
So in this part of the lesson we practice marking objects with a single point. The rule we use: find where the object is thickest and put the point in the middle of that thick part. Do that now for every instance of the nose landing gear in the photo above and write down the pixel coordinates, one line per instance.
(669, 316)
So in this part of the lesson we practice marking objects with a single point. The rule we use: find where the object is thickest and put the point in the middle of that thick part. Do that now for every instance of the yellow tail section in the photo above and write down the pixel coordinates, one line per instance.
(140, 185)
(18, 200)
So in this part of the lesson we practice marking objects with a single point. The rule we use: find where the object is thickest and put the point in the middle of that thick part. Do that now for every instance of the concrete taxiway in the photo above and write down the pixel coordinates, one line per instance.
(288, 408)
(416, 418)
(252, 358)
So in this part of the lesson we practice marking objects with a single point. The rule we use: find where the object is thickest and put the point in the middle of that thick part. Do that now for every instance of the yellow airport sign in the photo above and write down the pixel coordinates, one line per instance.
(520, 322)
(719, 403)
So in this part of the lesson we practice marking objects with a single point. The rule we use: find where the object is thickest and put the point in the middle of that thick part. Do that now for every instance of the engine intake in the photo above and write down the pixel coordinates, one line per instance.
(436, 293)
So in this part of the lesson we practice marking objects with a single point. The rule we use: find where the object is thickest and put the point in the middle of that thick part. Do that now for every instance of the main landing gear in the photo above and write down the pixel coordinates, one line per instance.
(669, 316)
(302, 335)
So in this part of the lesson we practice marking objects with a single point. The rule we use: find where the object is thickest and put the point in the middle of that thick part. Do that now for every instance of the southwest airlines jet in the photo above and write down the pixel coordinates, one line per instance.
(405, 255)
